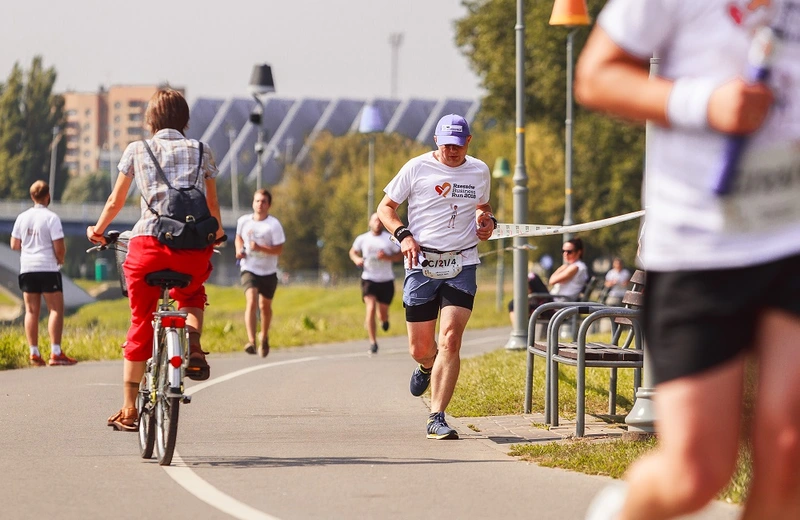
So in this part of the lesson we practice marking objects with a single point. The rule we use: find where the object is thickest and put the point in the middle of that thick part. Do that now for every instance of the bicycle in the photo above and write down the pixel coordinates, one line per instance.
(161, 391)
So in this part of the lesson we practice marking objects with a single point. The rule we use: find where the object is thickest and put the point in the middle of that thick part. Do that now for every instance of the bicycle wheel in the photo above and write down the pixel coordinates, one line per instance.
(167, 405)
(147, 428)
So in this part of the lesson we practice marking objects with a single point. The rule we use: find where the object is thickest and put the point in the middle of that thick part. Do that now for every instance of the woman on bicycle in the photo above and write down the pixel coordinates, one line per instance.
(167, 117)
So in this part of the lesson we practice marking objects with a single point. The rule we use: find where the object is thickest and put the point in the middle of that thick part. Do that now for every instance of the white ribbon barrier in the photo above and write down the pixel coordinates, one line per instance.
(505, 230)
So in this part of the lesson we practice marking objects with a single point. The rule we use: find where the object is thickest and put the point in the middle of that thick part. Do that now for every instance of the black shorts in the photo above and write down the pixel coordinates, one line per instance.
(265, 285)
(41, 282)
(697, 320)
(382, 291)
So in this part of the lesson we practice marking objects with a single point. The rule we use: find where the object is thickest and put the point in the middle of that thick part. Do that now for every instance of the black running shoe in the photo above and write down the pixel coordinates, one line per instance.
(420, 380)
(373, 349)
(263, 348)
(438, 428)
(385, 326)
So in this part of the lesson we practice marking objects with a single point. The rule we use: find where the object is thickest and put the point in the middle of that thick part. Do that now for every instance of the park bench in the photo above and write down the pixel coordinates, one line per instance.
(544, 317)
(581, 353)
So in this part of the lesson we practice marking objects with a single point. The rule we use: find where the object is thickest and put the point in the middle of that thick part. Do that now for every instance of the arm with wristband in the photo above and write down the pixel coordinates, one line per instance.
(387, 212)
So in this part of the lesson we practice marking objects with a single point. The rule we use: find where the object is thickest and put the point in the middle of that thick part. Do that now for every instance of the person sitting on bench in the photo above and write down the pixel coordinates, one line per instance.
(570, 279)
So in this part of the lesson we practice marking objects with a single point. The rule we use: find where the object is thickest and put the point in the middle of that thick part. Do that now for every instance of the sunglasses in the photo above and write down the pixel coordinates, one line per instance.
(568, 251)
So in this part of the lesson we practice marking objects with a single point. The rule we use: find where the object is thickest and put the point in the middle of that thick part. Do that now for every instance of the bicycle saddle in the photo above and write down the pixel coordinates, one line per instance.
(168, 279)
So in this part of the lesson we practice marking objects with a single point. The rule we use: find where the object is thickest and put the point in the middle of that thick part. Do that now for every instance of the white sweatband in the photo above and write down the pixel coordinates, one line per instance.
(687, 106)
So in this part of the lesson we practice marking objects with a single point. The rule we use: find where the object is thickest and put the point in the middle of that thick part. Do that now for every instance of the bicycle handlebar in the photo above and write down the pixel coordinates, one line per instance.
(112, 237)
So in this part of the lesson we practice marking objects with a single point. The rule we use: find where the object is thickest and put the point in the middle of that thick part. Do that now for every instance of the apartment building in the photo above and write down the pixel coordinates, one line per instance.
(101, 124)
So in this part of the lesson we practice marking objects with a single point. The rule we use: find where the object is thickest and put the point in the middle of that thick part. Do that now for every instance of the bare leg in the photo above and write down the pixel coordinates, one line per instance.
(251, 303)
(383, 311)
(421, 345)
(369, 321)
(699, 420)
(33, 306)
(266, 315)
(55, 321)
(132, 372)
(448, 362)
(194, 321)
(775, 489)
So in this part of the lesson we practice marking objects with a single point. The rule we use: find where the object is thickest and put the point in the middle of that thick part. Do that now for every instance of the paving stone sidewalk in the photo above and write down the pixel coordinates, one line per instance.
(503, 431)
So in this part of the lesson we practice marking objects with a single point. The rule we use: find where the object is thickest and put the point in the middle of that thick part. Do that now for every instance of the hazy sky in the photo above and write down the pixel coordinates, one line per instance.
(317, 48)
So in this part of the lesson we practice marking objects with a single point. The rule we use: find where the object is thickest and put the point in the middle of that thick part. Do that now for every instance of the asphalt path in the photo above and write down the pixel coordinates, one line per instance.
(317, 432)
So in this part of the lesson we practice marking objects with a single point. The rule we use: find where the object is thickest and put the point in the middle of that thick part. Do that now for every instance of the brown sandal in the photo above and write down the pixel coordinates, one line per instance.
(125, 420)
(198, 369)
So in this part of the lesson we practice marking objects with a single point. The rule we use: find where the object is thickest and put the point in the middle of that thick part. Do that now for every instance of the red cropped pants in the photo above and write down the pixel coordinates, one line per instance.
(146, 255)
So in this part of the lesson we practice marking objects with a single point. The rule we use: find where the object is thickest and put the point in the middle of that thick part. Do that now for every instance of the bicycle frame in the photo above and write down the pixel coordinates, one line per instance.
(166, 321)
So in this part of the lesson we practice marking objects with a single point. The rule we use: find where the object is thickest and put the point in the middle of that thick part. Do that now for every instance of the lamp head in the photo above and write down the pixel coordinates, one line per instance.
(570, 13)
(501, 168)
(261, 81)
(371, 120)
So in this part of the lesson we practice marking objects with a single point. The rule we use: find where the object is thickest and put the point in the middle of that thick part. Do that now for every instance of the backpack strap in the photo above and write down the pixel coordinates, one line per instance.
(199, 164)
(163, 175)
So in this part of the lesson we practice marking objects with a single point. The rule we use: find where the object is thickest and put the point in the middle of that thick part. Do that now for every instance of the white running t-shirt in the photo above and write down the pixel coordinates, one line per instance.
(688, 226)
(36, 228)
(267, 232)
(442, 202)
(369, 244)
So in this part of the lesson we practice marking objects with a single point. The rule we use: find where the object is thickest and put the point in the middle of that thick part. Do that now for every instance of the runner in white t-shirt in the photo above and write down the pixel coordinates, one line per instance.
(723, 280)
(374, 251)
(37, 233)
(259, 242)
(448, 214)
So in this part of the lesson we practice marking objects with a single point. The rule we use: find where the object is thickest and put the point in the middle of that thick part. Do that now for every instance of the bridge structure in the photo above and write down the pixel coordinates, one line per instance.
(76, 217)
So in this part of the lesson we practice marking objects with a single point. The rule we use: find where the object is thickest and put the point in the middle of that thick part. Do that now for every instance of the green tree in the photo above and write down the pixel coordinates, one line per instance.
(28, 112)
(94, 187)
(322, 206)
(607, 154)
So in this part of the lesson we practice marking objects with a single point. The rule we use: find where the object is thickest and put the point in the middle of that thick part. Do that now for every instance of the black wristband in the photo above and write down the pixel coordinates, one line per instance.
(494, 220)
(401, 233)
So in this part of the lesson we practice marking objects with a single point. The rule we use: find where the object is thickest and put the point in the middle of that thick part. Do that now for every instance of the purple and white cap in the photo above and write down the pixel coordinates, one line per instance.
(452, 129)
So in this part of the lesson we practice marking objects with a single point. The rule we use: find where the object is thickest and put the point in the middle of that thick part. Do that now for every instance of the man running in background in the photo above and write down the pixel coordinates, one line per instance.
(374, 252)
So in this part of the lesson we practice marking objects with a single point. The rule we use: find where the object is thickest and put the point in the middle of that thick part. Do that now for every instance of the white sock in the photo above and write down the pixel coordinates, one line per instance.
(35, 350)
(607, 504)
(55, 349)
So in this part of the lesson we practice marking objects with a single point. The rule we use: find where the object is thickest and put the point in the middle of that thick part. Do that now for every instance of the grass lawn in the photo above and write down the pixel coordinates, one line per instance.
(302, 315)
(494, 384)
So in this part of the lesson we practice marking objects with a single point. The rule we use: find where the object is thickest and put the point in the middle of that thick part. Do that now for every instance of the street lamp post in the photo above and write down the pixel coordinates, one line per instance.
(572, 14)
(53, 156)
(519, 333)
(500, 172)
(370, 123)
(261, 84)
(234, 171)
(641, 420)
(395, 40)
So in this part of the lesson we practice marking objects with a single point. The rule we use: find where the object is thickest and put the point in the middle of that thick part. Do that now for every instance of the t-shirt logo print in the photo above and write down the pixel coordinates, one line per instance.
(740, 11)
(443, 189)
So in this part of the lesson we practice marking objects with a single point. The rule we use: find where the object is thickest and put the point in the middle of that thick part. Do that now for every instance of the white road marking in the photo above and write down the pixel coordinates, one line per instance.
(201, 489)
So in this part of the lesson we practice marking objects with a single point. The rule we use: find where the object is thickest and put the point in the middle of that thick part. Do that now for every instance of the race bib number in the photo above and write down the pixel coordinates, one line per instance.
(441, 266)
(766, 194)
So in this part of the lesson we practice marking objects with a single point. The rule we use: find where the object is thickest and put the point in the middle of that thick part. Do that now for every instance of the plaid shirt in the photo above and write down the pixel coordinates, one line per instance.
(178, 158)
